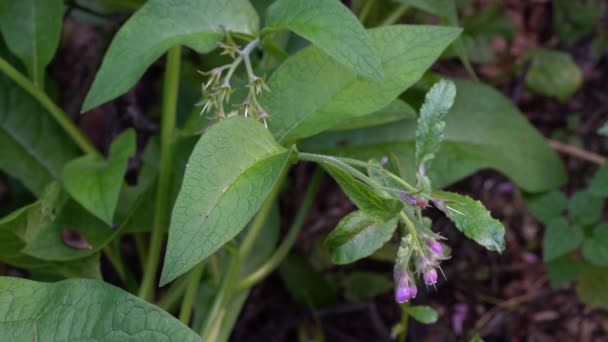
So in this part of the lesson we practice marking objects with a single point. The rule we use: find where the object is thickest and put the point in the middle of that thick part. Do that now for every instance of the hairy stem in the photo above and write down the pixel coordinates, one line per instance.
(59, 115)
(275, 260)
(170, 90)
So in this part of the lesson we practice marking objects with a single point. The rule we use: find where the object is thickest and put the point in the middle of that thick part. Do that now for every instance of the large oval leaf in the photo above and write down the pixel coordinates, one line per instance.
(333, 28)
(31, 30)
(483, 130)
(33, 147)
(328, 93)
(231, 171)
(358, 236)
(159, 25)
(82, 310)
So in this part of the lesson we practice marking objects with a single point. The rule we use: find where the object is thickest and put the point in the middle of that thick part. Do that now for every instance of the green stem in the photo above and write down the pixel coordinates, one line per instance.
(360, 163)
(396, 15)
(228, 282)
(365, 10)
(405, 318)
(170, 299)
(188, 302)
(123, 273)
(141, 244)
(275, 260)
(170, 91)
(245, 52)
(59, 115)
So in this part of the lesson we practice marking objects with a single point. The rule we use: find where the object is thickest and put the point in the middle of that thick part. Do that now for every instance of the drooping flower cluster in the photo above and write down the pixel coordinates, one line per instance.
(216, 89)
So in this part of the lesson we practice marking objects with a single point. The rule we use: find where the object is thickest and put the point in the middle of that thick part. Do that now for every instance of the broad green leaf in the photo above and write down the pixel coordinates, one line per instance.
(358, 236)
(82, 310)
(553, 73)
(333, 28)
(599, 183)
(395, 111)
(429, 131)
(563, 270)
(306, 285)
(483, 130)
(585, 207)
(159, 25)
(31, 30)
(232, 169)
(561, 238)
(329, 94)
(33, 147)
(474, 220)
(95, 183)
(595, 247)
(547, 206)
(591, 287)
(376, 207)
(422, 313)
(362, 286)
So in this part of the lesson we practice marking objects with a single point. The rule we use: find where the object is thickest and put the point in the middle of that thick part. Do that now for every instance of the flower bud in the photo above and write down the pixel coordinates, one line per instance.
(407, 198)
(430, 276)
(435, 246)
(403, 290)
(413, 291)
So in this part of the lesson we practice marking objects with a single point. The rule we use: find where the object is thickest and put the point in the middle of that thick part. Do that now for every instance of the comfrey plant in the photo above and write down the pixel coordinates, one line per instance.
(215, 192)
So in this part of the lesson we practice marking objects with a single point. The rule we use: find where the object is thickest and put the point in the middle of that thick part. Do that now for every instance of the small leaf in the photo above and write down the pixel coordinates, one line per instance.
(422, 313)
(232, 169)
(395, 111)
(563, 270)
(547, 206)
(585, 207)
(73, 238)
(474, 220)
(376, 207)
(599, 183)
(329, 94)
(591, 287)
(603, 130)
(159, 25)
(332, 27)
(358, 236)
(306, 285)
(595, 248)
(25, 314)
(362, 286)
(553, 73)
(561, 238)
(429, 132)
(96, 183)
(31, 30)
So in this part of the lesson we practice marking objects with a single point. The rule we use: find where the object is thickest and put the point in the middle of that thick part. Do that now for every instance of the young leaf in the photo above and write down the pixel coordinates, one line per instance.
(329, 94)
(483, 130)
(95, 183)
(561, 238)
(159, 25)
(358, 236)
(89, 310)
(474, 220)
(595, 248)
(554, 73)
(429, 132)
(591, 287)
(376, 207)
(422, 313)
(547, 206)
(362, 286)
(330, 26)
(232, 169)
(34, 148)
(31, 30)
